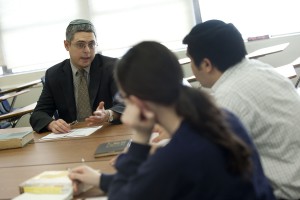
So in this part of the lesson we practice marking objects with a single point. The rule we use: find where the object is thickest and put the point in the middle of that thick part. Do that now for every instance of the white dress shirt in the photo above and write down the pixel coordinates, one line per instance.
(269, 106)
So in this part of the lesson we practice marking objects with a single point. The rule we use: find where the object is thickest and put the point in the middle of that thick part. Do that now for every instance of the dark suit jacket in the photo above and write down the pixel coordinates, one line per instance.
(58, 92)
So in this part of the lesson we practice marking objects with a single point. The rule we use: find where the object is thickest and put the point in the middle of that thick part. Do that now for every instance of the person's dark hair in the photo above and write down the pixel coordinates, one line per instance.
(221, 43)
(79, 25)
(152, 72)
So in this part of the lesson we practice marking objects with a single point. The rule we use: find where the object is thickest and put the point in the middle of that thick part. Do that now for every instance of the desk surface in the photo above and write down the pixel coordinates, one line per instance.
(9, 182)
(18, 165)
(18, 112)
(267, 50)
(21, 87)
(10, 95)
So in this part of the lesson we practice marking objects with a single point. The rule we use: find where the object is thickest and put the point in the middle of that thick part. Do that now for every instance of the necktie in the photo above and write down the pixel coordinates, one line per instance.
(83, 100)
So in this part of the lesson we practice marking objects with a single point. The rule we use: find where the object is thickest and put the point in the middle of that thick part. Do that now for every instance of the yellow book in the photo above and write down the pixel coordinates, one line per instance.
(48, 182)
(15, 140)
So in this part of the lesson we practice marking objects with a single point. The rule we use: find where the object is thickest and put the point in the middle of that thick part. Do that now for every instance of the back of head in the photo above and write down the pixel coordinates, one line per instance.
(79, 25)
(151, 72)
(221, 43)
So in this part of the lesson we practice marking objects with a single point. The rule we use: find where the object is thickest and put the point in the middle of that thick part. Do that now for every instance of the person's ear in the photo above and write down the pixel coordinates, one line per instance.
(67, 45)
(206, 65)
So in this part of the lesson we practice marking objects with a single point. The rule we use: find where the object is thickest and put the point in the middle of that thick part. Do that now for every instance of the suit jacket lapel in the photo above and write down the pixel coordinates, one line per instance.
(95, 80)
(66, 82)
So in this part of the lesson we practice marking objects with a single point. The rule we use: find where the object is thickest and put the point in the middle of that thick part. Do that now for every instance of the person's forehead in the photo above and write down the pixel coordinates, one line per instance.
(84, 36)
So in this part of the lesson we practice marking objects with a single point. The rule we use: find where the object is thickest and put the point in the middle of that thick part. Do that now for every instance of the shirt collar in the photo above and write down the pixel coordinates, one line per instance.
(75, 69)
(226, 75)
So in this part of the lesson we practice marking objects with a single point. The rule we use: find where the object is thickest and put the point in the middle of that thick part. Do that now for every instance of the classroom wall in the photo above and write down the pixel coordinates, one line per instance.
(277, 59)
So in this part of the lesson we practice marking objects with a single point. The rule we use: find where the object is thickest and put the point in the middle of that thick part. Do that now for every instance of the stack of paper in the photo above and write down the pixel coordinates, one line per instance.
(80, 132)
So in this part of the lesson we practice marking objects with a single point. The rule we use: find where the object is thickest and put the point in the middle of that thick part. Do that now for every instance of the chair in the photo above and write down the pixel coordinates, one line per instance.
(8, 116)
(5, 124)
(13, 117)
(5, 108)
(297, 82)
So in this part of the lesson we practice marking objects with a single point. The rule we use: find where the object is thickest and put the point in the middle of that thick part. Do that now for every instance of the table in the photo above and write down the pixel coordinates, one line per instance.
(183, 61)
(21, 87)
(18, 165)
(14, 115)
(9, 184)
(287, 71)
(13, 95)
(267, 50)
(296, 62)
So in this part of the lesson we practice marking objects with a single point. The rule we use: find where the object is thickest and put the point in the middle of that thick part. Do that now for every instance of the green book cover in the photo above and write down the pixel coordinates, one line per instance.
(111, 148)
(15, 140)
(7, 136)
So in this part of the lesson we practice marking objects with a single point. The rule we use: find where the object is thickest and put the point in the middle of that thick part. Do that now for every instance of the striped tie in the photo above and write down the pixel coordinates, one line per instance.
(83, 100)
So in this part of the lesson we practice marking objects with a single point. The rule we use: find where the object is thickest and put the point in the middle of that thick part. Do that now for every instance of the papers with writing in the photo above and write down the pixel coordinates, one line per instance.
(80, 132)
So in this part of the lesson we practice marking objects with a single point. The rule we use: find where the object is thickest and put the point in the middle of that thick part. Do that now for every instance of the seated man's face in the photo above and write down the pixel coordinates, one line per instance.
(82, 49)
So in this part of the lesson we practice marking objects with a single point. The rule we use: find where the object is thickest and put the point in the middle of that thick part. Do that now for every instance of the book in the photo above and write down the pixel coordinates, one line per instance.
(48, 182)
(15, 140)
(111, 148)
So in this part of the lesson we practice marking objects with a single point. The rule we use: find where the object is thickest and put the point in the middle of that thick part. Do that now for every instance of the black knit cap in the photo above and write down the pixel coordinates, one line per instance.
(80, 21)
(210, 30)
(222, 43)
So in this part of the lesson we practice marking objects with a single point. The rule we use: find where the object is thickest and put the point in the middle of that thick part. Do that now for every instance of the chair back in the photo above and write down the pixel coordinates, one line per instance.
(4, 109)
(4, 106)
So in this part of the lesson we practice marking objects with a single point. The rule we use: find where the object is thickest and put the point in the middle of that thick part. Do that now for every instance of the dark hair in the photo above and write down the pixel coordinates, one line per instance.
(221, 43)
(79, 25)
(152, 72)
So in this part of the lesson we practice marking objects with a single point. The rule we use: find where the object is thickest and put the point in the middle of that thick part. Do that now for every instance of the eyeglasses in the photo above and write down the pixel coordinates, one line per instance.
(82, 45)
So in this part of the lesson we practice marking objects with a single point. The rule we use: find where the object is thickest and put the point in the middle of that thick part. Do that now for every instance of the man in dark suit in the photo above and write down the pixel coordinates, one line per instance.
(60, 92)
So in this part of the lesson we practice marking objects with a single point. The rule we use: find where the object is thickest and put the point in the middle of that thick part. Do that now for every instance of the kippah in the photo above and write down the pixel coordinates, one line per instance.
(80, 21)
(211, 30)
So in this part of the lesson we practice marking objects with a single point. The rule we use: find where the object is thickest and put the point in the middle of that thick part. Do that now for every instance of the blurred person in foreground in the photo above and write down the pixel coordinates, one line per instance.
(224, 164)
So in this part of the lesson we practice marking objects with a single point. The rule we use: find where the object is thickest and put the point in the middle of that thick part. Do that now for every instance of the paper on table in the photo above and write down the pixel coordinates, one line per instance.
(80, 132)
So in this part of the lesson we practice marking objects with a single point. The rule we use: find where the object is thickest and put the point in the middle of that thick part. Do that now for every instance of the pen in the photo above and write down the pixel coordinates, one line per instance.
(73, 123)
